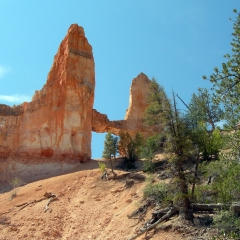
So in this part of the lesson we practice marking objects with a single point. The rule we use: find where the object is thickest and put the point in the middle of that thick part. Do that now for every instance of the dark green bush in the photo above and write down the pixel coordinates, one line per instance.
(148, 166)
(228, 225)
(157, 191)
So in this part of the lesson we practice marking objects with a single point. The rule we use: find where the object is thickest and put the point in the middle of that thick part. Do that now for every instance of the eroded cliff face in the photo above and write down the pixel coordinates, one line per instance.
(138, 103)
(52, 133)
(133, 122)
(56, 124)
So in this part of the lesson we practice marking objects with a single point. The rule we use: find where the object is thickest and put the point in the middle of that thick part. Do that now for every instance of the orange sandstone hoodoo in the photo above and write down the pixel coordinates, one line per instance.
(52, 133)
(57, 122)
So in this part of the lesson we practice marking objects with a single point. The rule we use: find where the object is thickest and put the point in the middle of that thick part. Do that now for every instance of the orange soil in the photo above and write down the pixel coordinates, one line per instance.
(87, 208)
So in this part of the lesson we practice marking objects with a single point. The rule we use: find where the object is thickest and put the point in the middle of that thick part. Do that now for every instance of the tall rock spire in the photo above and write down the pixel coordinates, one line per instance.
(56, 124)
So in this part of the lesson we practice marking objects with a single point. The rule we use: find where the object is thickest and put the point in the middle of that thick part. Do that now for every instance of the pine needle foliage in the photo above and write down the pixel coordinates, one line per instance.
(130, 146)
(110, 148)
(164, 116)
(203, 109)
(226, 81)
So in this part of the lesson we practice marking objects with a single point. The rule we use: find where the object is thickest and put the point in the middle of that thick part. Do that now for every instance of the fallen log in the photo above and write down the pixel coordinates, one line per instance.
(51, 197)
(141, 210)
(104, 175)
(161, 212)
(23, 205)
(171, 211)
(158, 214)
(19, 205)
(10, 210)
(200, 207)
(118, 176)
(46, 207)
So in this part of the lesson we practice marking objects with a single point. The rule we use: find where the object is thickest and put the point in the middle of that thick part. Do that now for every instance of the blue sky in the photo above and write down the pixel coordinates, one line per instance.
(177, 42)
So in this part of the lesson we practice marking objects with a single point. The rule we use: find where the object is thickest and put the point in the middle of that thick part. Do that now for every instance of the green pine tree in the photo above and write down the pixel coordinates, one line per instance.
(130, 146)
(110, 148)
(163, 115)
(203, 109)
(202, 116)
(226, 81)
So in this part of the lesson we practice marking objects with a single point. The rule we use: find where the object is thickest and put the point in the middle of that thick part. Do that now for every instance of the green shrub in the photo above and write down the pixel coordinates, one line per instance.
(151, 145)
(102, 166)
(15, 183)
(226, 174)
(157, 191)
(130, 146)
(228, 224)
(148, 166)
(204, 194)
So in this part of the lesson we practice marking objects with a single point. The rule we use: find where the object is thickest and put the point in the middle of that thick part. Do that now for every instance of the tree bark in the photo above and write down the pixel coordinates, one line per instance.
(112, 166)
(195, 173)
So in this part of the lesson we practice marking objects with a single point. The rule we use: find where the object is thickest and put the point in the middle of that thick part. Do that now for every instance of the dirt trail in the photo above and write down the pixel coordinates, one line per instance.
(87, 208)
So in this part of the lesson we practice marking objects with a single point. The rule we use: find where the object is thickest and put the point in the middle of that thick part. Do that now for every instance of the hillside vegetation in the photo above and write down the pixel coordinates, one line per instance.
(201, 147)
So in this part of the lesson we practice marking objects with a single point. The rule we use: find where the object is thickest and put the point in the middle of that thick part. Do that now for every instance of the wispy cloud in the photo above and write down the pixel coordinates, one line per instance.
(4, 70)
(16, 98)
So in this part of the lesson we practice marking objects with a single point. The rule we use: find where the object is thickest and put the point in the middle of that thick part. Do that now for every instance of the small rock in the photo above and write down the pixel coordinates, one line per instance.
(120, 189)
(13, 229)
(129, 183)
(129, 201)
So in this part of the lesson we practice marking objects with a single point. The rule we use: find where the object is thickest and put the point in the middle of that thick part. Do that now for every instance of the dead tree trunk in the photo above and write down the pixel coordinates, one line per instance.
(207, 207)
(195, 173)
(171, 211)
